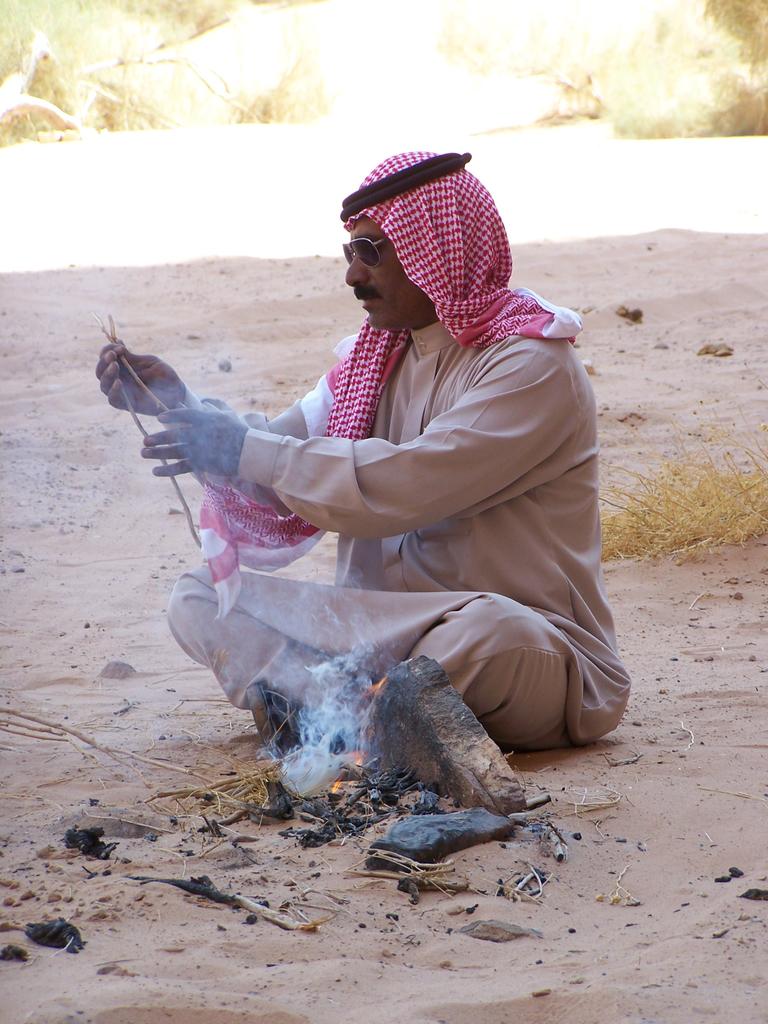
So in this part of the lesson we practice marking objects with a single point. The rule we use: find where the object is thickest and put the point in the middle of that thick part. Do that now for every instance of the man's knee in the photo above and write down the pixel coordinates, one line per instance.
(191, 593)
(507, 624)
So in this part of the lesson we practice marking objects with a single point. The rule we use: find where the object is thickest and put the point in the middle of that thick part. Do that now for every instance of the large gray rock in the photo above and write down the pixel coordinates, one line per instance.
(419, 721)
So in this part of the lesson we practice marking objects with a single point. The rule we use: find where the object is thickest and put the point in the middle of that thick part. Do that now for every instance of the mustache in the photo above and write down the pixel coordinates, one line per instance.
(365, 293)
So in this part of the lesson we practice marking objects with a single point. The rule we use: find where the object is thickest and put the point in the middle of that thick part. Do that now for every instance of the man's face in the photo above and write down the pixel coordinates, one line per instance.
(391, 300)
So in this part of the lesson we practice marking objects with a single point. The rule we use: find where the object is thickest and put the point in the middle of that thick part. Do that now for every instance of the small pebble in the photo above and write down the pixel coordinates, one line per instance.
(225, 365)
(735, 872)
(117, 670)
(723, 878)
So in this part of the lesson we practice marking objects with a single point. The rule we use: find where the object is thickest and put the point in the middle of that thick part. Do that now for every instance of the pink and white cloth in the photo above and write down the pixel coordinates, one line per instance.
(451, 242)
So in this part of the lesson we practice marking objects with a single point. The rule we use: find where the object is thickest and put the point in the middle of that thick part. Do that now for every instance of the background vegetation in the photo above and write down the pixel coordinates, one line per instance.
(658, 69)
(707, 495)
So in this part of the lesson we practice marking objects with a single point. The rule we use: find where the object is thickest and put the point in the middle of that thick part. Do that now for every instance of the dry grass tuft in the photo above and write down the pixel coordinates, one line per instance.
(691, 503)
(246, 788)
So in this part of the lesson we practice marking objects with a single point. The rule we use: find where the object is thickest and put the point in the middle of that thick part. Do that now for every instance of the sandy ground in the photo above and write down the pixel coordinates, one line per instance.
(90, 551)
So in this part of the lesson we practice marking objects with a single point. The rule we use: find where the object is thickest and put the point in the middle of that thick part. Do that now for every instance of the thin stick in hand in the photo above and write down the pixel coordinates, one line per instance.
(111, 335)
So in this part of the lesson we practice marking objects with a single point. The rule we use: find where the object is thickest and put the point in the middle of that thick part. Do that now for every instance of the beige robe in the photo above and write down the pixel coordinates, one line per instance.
(468, 530)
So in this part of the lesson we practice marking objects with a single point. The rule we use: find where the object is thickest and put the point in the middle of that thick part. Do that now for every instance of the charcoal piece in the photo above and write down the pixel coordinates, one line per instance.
(418, 720)
(12, 952)
(382, 787)
(317, 808)
(498, 931)
(309, 838)
(279, 804)
(88, 841)
(200, 886)
(431, 837)
(60, 934)
(754, 894)
(427, 803)
(409, 885)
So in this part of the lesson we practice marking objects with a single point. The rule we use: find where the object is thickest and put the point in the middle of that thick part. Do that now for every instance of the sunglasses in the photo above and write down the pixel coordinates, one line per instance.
(363, 249)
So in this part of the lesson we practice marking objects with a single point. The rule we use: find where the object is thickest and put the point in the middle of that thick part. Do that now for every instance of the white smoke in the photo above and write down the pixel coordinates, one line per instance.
(330, 724)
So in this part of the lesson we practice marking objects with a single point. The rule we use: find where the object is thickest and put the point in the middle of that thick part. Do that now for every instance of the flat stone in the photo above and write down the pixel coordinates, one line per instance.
(117, 670)
(499, 931)
(431, 837)
(754, 894)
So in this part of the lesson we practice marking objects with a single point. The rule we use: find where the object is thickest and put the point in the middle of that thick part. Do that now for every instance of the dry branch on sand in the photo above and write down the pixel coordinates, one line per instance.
(16, 102)
(692, 503)
(23, 723)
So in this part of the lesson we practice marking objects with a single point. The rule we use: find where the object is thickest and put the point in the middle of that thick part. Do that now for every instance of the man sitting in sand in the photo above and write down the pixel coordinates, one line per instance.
(452, 448)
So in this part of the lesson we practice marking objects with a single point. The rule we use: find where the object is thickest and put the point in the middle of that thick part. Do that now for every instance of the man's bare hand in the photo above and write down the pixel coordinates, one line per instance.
(197, 441)
(159, 377)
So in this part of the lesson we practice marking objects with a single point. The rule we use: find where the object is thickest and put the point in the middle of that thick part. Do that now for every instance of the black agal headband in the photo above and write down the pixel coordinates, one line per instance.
(403, 181)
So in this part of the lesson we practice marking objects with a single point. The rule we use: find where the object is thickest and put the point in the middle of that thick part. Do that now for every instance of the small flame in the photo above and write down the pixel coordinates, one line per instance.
(336, 787)
(378, 686)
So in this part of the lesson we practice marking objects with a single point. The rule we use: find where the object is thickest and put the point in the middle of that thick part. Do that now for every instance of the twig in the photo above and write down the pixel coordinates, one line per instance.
(89, 741)
(204, 887)
(559, 845)
(594, 801)
(613, 763)
(731, 792)
(686, 729)
(111, 336)
(620, 895)
(424, 875)
(422, 879)
(129, 821)
(539, 880)
(524, 881)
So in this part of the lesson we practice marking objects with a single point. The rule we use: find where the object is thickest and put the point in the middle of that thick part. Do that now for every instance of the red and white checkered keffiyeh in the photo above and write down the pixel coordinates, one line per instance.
(452, 244)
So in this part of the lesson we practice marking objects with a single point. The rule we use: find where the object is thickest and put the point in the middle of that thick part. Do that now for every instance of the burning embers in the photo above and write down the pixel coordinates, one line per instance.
(412, 719)
(365, 798)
